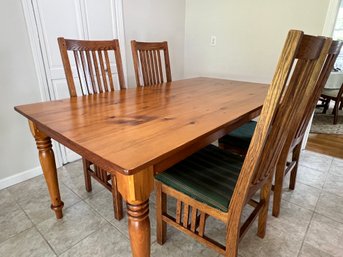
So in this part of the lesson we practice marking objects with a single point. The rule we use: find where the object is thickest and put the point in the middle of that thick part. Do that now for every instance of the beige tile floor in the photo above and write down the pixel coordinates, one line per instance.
(310, 224)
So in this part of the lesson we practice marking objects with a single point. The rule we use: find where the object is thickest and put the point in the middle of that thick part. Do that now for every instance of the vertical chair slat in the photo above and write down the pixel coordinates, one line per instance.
(202, 224)
(90, 70)
(153, 64)
(149, 67)
(77, 62)
(193, 219)
(109, 71)
(160, 66)
(185, 215)
(178, 212)
(158, 81)
(143, 65)
(103, 72)
(84, 69)
(97, 73)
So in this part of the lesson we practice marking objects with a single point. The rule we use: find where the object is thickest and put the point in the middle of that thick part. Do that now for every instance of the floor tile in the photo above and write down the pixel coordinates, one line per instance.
(337, 166)
(310, 251)
(334, 182)
(303, 195)
(33, 196)
(275, 243)
(12, 218)
(315, 206)
(26, 244)
(79, 221)
(311, 177)
(325, 235)
(72, 176)
(181, 245)
(102, 202)
(315, 160)
(330, 205)
(106, 242)
(292, 219)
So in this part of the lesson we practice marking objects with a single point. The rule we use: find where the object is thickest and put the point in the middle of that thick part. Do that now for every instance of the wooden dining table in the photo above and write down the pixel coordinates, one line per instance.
(138, 132)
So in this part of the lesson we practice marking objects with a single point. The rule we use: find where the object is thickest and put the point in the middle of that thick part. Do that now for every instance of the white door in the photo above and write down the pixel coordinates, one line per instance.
(74, 19)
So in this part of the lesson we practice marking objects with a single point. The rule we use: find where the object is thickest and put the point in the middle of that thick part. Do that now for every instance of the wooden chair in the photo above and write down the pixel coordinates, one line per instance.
(238, 141)
(335, 95)
(215, 183)
(147, 61)
(94, 75)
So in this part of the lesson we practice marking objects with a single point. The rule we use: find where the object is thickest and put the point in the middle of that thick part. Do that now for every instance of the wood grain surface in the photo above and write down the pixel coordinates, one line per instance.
(130, 130)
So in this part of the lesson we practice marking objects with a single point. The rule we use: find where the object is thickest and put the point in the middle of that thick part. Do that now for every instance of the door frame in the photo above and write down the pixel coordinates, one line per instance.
(329, 25)
(38, 51)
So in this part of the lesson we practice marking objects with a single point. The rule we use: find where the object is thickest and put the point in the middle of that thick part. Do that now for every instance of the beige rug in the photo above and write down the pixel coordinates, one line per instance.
(323, 123)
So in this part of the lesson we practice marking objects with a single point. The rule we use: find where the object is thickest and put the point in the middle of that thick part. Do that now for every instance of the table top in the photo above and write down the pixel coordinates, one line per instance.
(132, 129)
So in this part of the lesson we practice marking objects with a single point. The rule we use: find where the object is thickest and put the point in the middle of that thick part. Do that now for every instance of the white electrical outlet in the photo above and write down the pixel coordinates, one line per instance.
(213, 41)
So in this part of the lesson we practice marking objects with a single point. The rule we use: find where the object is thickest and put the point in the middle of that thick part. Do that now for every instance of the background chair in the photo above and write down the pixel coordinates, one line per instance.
(238, 141)
(335, 95)
(147, 61)
(94, 75)
(213, 182)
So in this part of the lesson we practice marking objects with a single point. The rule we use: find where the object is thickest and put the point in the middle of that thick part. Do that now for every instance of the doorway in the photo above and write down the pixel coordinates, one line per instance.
(74, 19)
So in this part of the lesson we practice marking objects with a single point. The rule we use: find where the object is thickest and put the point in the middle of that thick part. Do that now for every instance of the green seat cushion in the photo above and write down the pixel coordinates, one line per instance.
(240, 137)
(209, 176)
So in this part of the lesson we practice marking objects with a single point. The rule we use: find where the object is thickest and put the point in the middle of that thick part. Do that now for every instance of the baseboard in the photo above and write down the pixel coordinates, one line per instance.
(20, 177)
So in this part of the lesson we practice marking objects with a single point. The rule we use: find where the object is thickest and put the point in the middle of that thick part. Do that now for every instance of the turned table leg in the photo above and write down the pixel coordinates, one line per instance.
(47, 161)
(136, 190)
(139, 228)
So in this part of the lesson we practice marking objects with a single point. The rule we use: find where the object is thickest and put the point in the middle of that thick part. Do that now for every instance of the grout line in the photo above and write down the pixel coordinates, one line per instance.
(314, 211)
(95, 210)
(39, 232)
(307, 229)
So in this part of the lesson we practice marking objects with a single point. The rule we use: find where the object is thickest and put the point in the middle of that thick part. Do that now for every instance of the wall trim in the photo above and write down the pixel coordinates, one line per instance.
(331, 17)
(20, 177)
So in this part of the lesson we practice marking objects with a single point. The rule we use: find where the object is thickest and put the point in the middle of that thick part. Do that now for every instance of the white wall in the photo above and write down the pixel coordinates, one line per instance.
(18, 85)
(250, 35)
(156, 20)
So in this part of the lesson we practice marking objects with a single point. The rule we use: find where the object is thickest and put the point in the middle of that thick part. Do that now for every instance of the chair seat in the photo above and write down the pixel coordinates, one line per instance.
(241, 136)
(208, 176)
(330, 92)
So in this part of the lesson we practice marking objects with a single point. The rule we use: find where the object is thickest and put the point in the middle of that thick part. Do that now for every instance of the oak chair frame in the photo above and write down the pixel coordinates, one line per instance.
(94, 74)
(147, 61)
(276, 125)
(294, 147)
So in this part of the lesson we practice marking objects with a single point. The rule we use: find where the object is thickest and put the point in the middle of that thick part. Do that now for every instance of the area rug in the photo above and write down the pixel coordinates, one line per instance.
(323, 123)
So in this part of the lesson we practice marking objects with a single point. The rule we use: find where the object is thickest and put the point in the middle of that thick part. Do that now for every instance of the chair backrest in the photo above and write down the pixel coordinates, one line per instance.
(93, 65)
(147, 60)
(292, 87)
(323, 77)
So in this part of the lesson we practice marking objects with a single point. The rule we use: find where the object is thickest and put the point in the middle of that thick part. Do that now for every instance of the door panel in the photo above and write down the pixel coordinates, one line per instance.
(75, 19)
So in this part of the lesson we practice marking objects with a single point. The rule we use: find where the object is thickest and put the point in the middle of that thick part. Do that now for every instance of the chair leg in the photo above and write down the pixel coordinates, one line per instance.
(326, 105)
(88, 182)
(262, 218)
(295, 157)
(161, 207)
(335, 111)
(117, 199)
(341, 105)
(278, 183)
